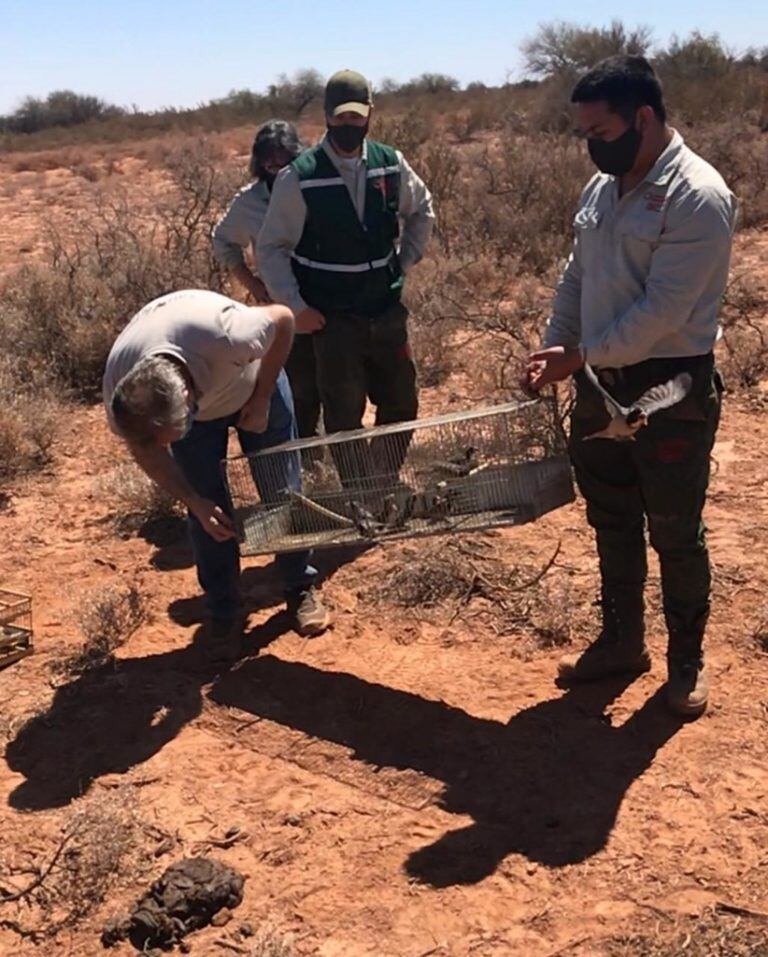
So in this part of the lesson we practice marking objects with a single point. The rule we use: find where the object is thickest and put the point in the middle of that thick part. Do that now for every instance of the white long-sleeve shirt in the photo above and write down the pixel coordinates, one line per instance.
(240, 225)
(287, 213)
(647, 270)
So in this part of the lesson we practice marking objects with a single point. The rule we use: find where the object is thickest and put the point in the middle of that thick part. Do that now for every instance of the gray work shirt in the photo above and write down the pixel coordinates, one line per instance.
(287, 214)
(240, 225)
(219, 340)
(648, 269)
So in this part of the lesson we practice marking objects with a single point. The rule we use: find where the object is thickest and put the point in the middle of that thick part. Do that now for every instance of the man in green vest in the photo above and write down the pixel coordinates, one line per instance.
(347, 220)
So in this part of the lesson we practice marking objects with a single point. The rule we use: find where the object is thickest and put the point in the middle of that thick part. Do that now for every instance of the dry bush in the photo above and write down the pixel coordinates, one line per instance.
(268, 941)
(552, 617)
(100, 845)
(61, 318)
(712, 936)
(134, 498)
(471, 579)
(520, 199)
(738, 149)
(29, 417)
(105, 844)
(744, 318)
(106, 617)
(425, 577)
(406, 132)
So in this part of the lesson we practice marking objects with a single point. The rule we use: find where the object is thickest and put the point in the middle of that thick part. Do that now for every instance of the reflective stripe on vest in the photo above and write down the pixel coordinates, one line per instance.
(338, 181)
(343, 267)
(328, 181)
(383, 171)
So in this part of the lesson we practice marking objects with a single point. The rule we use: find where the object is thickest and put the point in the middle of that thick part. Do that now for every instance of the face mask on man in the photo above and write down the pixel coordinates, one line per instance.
(347, 137)
(618, 156)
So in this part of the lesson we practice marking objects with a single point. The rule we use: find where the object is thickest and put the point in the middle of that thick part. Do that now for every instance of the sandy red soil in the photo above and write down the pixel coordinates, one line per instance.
(405, 787)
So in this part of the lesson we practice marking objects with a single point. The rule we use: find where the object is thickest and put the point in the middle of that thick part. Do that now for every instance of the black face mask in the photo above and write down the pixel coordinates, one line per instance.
(268, 178)
(348, 138)
(618, 156)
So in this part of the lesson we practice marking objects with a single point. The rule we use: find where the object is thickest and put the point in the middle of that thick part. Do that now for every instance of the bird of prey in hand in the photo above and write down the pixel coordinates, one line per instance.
(626, 421)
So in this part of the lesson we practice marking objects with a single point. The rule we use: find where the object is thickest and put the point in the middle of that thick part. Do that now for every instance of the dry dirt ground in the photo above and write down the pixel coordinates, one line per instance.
(408, 784)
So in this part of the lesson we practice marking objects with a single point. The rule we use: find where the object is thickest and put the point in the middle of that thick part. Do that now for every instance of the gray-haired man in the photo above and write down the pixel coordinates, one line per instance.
(186, 369)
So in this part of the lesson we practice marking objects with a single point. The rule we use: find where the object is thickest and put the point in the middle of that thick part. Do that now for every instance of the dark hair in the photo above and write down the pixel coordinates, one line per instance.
(626, 83)
(274, 136)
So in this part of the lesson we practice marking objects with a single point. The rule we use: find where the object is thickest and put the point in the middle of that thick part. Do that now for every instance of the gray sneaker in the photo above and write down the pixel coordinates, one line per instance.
(309, 614)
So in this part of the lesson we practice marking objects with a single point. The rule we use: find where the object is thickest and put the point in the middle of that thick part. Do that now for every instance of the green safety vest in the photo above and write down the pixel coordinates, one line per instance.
(341, 263)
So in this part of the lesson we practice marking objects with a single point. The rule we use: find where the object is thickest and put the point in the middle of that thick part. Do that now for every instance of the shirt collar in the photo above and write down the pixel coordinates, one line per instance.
(664, 167)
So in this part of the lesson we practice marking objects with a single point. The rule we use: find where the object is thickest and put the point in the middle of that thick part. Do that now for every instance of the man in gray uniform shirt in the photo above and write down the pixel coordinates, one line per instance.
(346, 222)
(638, 301)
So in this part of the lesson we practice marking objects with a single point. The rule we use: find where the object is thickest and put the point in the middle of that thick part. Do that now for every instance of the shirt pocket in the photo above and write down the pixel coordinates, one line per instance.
(637, 239)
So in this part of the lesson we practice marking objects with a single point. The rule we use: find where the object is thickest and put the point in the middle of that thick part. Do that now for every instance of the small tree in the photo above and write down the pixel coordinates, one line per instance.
(561, 48)
(698, 57)
(432, 83)
(293, 95)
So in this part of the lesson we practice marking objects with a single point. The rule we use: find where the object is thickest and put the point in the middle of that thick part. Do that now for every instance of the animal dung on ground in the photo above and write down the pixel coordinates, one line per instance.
(15, 627)
(465, 471)
(185, 898)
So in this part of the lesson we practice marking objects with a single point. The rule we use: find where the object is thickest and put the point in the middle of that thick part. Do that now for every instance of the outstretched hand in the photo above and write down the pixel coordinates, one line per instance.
(549, 365)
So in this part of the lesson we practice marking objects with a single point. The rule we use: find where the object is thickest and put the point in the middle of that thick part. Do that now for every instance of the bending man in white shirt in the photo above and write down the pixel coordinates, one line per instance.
(187, 368)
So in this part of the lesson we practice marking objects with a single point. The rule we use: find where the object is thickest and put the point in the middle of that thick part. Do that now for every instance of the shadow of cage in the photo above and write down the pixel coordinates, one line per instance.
(464, 471)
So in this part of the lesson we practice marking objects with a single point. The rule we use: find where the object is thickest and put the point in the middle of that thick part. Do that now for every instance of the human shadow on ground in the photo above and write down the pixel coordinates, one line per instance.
(548, 784)
(110, 719)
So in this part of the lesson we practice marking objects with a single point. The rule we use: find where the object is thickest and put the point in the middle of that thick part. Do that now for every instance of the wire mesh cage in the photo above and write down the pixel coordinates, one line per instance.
(15, 627)
(464, 471)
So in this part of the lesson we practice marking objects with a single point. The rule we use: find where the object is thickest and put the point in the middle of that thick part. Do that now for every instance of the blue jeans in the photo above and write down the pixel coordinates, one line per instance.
(199, 455)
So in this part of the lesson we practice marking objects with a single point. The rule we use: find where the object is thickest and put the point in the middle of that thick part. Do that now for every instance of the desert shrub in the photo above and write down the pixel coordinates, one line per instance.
(60, 108)
(743, 317)
(561, 47)
(100, 845)
(712, 935)
(134, 498)
(292, 95)
(406, 131)
(105, 831)
(739, 150)
(62, 317)
(472, 579)
(29, 415)
(106, 617)
(268, 941)
(520, 198)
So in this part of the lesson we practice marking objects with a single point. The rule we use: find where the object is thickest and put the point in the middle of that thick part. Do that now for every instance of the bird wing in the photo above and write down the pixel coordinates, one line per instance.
(610, 403)
(665, 395)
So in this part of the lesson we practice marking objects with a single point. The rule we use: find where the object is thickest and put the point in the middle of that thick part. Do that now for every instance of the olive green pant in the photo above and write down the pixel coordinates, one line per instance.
(659, 479)
(360, 358)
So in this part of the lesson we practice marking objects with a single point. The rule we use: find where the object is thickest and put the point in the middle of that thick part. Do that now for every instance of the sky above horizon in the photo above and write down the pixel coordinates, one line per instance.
(152, 55)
